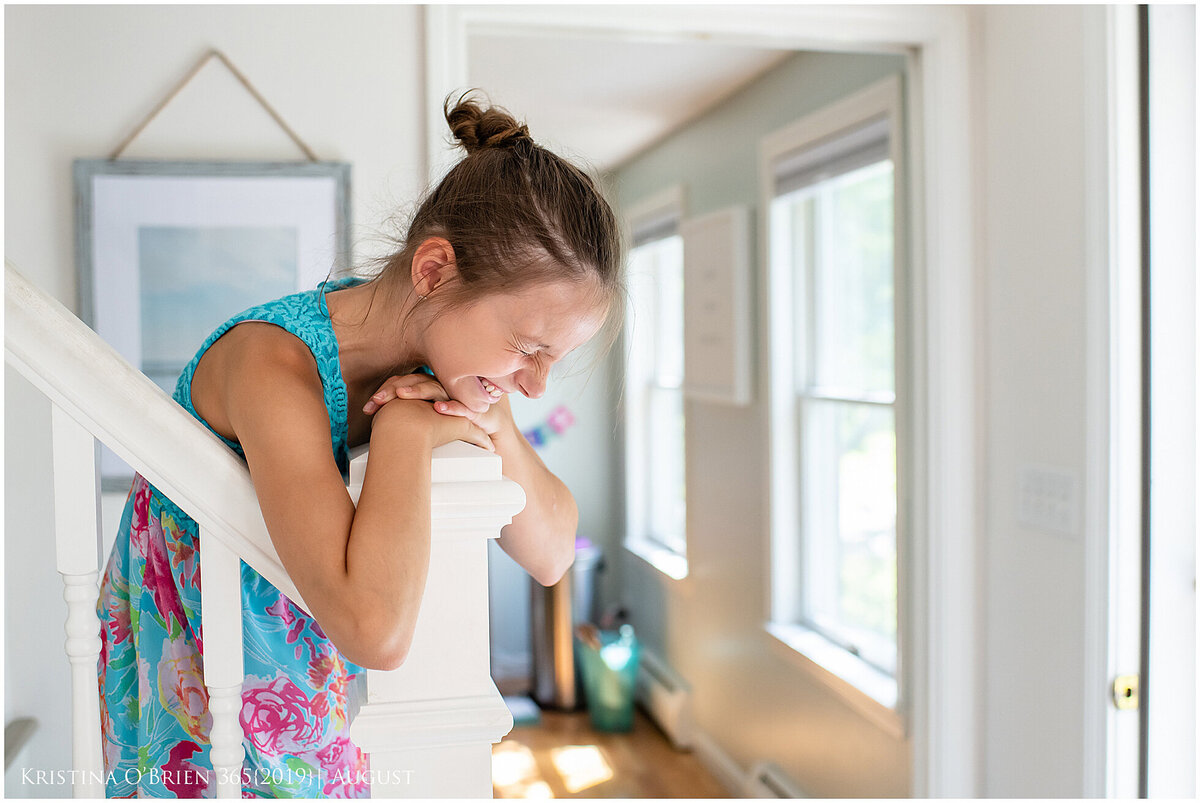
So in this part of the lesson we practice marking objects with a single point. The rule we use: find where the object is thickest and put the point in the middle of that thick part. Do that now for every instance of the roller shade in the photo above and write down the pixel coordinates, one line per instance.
(657, 227)
(844, 152)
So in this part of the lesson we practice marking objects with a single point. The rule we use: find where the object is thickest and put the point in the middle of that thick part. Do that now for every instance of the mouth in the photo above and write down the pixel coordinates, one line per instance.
(492, 393)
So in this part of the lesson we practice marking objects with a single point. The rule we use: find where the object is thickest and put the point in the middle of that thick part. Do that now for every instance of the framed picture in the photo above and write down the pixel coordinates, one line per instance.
(716, 306)
(168, 251)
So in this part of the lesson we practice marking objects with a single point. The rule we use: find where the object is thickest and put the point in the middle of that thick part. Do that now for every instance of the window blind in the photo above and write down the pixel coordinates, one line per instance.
(657, 227)
(842, 153)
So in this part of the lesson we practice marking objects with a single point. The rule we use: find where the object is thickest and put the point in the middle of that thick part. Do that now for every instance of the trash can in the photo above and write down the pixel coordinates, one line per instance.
(609, 660)
(555, 611)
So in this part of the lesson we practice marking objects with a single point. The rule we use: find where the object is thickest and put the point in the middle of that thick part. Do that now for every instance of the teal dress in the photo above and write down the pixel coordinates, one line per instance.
(296, 695)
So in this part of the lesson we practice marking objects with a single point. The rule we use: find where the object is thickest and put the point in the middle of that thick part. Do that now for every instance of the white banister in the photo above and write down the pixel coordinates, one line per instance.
(77, 538)
(221, 629)
(97, 387)
(428, 725)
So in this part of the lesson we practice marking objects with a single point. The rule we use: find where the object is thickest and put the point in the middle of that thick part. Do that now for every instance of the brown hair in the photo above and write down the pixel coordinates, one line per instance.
(516, 215)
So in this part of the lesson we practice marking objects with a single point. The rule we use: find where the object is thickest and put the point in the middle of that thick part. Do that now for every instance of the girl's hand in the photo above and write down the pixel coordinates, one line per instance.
(497, 417)
(406, 391)
(412, 386)
(418, 416)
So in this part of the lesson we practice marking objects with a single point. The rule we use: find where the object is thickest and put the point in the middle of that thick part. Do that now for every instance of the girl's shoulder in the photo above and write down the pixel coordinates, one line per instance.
(253, 360)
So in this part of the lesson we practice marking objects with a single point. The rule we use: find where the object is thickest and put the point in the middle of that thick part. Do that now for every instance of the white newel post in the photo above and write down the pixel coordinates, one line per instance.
(77, 542)
(429, 726)
(221, 606)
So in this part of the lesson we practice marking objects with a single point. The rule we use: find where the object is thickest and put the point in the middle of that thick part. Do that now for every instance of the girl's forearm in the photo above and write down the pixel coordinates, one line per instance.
(541, 537)
(387, 553)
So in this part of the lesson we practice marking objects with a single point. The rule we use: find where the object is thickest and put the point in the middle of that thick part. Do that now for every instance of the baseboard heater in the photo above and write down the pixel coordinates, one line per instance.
(667, 698)
(766, 779)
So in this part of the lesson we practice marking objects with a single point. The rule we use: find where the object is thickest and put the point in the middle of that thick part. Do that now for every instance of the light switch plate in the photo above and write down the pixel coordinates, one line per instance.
(1048, 498)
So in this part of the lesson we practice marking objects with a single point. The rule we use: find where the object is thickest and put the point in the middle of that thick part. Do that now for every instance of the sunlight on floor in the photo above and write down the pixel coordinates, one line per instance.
(515, 772)
(581, 766)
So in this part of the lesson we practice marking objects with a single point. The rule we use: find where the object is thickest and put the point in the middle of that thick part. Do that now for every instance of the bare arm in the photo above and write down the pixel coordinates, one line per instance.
(362, 572)
(541, 538)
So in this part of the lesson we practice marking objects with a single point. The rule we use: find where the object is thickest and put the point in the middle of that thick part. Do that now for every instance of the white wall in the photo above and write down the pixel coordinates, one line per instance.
(1033, 67)
(77, 79)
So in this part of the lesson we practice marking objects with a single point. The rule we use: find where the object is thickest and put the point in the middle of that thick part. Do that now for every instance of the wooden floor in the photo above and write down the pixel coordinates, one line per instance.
(564, 757)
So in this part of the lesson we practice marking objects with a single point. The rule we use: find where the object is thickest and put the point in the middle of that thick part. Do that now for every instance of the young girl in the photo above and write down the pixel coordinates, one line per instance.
(511, 262)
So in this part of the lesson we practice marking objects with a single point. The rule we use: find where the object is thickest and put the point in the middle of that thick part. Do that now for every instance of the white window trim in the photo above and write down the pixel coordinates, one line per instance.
(879, 696)
(859, 684)
(669, 202)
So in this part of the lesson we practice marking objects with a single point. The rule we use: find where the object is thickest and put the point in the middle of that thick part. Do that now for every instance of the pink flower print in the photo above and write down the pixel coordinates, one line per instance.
(285, 610)
(158, 579)
(141, 505)
(183, 553)
(345, 769)
(282, 608)
(181, 689)
(277, 716)
(319, 670)
(181, 776)
(320, 705)
(118, 621)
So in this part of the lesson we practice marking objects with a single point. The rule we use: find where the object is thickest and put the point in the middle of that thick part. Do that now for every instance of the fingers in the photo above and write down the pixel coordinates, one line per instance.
(412, 386)
(480, 438)
(453, 407)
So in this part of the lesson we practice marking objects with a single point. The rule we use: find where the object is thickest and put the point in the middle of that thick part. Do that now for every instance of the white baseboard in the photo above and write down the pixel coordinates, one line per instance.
(667, 697)
(717, 761)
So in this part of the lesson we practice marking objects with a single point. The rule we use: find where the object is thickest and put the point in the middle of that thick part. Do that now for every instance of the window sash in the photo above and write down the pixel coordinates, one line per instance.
(811, 176)
(654, 386)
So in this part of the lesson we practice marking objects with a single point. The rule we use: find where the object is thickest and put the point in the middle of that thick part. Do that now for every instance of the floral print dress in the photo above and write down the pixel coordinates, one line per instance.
(296, 696)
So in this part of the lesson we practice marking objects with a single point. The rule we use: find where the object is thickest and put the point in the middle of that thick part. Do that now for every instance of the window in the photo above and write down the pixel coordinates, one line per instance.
(835, 337)
(654, 420)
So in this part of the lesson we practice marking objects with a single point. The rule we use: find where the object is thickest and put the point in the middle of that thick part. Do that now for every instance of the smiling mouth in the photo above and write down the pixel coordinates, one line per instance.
(491, 391)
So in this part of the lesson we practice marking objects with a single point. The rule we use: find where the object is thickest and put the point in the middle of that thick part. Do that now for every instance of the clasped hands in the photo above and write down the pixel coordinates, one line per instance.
(422, 387)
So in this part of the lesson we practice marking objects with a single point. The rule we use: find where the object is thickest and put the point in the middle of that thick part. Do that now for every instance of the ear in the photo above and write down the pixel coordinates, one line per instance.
(433, 265)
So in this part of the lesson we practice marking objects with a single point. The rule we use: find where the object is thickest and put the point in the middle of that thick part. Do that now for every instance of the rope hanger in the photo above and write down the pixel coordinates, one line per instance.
(214, 53)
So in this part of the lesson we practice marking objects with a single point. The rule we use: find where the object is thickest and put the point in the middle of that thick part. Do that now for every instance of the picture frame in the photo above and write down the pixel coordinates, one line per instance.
(717, 307)
(166, 251)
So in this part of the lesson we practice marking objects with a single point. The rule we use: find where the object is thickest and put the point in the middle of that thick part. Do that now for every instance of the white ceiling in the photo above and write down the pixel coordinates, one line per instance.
(602, 101)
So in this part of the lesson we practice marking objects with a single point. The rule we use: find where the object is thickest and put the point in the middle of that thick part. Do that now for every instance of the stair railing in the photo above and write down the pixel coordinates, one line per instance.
(428, 725)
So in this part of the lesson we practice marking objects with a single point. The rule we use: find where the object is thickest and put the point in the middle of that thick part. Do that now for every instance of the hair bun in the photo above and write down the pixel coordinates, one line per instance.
(476, 127)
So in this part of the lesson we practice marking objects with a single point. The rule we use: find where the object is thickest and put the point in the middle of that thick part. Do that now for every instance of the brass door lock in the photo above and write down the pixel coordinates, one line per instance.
(1125, 692)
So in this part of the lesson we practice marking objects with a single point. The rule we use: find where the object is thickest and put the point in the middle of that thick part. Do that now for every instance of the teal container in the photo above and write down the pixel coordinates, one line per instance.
(609, 678)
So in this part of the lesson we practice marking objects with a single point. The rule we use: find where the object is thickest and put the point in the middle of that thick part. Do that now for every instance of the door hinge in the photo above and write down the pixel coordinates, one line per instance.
(1125, 692)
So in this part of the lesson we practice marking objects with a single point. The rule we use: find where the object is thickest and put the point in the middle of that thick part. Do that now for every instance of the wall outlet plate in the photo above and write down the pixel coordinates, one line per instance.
(1048, 498)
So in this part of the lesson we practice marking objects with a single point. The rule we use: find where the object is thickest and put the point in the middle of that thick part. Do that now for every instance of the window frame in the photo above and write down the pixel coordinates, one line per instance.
(879, 696)
(651, 213)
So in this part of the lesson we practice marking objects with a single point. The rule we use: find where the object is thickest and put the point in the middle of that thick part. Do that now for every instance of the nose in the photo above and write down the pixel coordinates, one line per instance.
(532, 384)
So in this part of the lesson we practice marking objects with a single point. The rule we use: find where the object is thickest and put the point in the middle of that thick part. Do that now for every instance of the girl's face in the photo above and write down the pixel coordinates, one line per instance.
(507, 343)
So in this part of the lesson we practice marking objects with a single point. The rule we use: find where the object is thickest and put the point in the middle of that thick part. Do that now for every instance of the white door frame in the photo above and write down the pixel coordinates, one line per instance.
(1113, 497)
(945, 690)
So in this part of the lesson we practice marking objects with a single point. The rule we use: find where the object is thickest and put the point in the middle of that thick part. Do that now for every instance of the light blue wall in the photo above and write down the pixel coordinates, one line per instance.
(716, 157)
(751, 698)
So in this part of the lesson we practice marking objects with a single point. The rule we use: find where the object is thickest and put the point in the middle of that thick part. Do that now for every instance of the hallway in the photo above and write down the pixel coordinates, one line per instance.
(563, 757)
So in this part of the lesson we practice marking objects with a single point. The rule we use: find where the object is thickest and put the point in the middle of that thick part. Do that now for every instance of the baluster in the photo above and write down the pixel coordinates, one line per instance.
(221, 608)
(77, 552)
